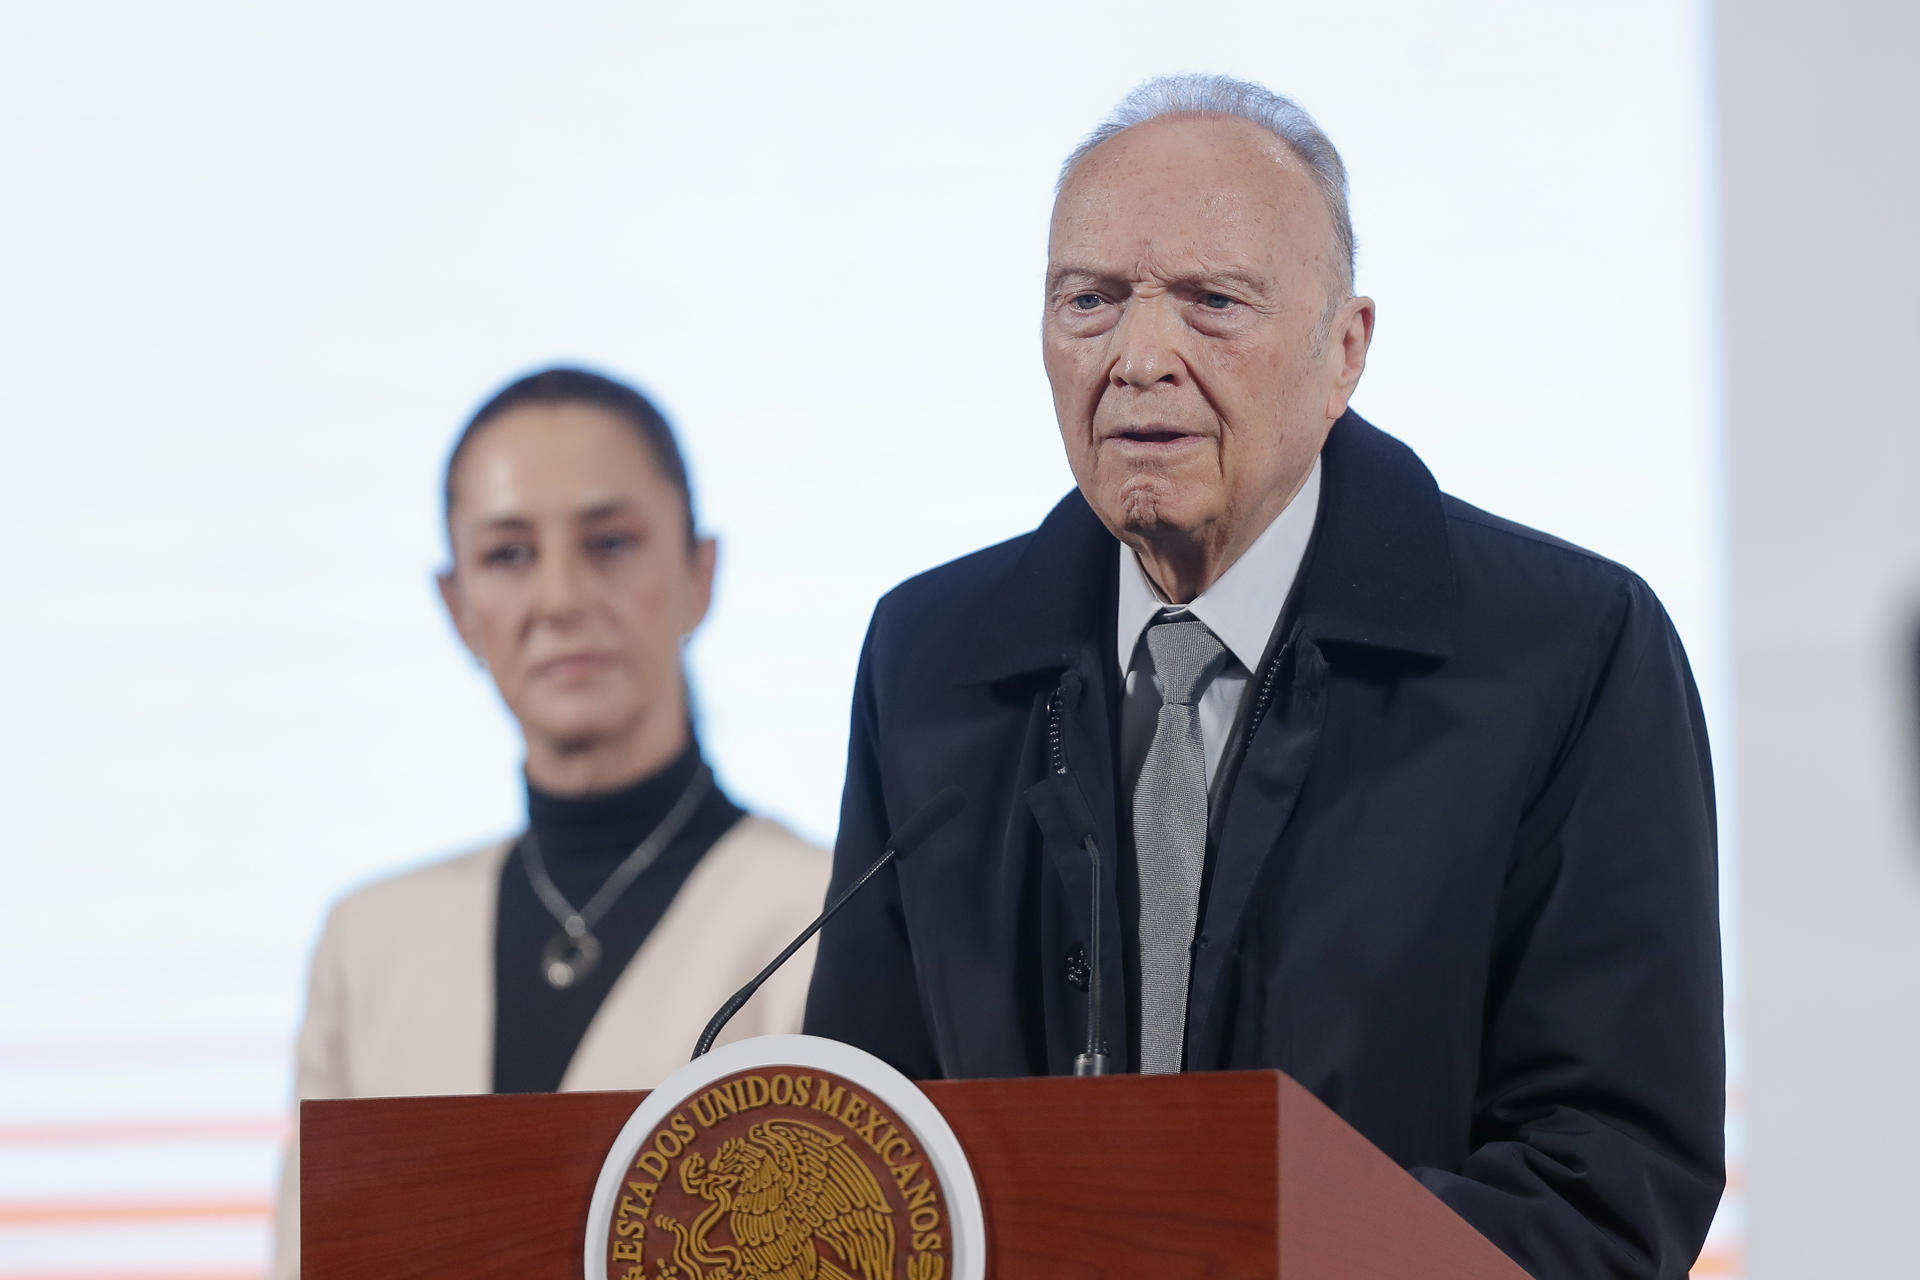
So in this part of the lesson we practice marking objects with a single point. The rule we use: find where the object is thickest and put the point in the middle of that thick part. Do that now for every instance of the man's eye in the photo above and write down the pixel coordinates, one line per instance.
(1215, 301)
(1086, 301)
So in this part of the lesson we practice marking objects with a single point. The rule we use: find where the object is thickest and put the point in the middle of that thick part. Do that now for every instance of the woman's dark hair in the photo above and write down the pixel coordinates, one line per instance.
(562, 385)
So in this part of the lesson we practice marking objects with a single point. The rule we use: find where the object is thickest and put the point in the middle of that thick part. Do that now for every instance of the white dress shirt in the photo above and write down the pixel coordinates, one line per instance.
(1241, 608)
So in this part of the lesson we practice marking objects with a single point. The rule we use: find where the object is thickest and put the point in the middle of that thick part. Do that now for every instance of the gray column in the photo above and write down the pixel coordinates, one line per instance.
(1819, 113)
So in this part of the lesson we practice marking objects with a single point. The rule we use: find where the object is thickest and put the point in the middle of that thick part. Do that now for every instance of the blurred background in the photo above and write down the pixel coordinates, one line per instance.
(1646, 279)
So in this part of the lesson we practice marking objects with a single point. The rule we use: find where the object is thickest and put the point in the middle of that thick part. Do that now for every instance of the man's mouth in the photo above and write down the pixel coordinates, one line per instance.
(1154, 436)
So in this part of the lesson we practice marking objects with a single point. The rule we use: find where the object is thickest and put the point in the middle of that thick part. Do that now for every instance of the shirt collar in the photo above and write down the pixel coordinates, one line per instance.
(1244, 603)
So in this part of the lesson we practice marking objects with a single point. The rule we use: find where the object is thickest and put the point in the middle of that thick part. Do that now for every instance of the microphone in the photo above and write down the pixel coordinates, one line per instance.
(1094, 1061)
(910, 835)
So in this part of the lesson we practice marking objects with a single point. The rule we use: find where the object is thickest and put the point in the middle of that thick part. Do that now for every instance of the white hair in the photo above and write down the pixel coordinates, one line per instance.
(1212, 95)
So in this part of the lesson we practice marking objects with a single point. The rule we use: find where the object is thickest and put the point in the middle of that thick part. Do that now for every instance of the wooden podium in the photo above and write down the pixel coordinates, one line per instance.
(1222, 1176)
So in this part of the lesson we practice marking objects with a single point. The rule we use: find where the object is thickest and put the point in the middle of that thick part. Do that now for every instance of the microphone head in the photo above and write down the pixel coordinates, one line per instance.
(927, 819)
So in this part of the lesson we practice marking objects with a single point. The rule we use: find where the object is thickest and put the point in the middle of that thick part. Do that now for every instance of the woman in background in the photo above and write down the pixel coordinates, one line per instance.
(589, 952)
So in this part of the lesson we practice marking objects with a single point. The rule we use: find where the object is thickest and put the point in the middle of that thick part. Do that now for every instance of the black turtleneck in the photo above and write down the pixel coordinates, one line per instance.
(536, 1029)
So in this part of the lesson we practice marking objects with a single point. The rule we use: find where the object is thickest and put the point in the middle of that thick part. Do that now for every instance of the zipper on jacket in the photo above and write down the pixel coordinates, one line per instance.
(1264, 696)
(1056, 739)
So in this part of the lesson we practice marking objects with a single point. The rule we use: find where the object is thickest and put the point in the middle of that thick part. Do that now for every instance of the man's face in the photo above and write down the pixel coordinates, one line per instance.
(1196, 367)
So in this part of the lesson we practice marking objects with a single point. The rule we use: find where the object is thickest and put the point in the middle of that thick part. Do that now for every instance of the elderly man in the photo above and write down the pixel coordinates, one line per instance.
(1399, 797)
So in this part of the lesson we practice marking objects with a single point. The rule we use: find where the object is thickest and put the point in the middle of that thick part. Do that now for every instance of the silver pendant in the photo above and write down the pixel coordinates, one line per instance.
(570, 956)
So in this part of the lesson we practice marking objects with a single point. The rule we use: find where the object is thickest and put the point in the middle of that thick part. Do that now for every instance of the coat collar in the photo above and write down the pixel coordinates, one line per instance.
(1052, 608)
(1379, 574)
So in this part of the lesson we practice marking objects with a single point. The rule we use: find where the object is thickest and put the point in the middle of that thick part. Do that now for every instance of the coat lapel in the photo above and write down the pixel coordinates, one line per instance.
(1262, 800)
(1046, 626)
(1379, 578)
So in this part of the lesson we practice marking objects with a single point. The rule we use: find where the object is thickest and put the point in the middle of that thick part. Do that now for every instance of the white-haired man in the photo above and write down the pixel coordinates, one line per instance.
(1406, 800)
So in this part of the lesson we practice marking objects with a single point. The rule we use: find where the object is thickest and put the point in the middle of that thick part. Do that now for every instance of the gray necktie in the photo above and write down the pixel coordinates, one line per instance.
(1170, 836)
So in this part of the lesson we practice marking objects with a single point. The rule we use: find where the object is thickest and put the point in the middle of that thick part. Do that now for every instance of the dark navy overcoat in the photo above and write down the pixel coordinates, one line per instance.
(1462, 885)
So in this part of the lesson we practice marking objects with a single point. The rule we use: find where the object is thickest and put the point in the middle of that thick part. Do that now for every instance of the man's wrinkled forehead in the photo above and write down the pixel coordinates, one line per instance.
(1205, 181)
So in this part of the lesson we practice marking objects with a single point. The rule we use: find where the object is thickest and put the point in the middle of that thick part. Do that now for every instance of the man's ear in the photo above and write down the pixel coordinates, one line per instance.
(1347, 341)
(705, 558)
(455, 600)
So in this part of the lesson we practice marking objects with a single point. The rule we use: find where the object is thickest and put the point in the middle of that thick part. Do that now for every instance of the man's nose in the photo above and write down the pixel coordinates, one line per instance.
(1147, 344)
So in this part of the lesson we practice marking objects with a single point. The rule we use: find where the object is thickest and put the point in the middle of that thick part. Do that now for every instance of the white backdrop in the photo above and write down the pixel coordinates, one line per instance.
(258, 262)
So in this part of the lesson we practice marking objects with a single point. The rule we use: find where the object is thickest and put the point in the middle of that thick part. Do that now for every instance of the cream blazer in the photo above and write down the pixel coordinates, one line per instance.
(400, 996)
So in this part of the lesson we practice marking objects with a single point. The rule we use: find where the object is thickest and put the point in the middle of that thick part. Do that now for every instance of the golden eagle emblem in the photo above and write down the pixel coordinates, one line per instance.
(798, 1204)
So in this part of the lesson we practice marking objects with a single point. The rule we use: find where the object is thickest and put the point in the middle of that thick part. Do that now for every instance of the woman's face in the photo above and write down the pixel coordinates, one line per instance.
(572, 578)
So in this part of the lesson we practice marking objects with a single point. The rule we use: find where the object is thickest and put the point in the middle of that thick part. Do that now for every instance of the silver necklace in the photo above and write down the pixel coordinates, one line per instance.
(574, 952)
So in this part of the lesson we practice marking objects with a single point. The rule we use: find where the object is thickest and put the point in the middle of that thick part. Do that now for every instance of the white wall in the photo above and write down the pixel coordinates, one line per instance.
(1818, 107)
(257, 262)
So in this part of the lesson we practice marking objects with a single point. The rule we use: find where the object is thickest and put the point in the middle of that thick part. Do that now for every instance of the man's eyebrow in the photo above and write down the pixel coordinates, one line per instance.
(1225, 275)
(1198, 278)
(1062, 274)
(1212, 277)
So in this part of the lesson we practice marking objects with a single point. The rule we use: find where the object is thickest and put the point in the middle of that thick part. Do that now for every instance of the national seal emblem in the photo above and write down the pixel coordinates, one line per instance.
(808, 1161)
